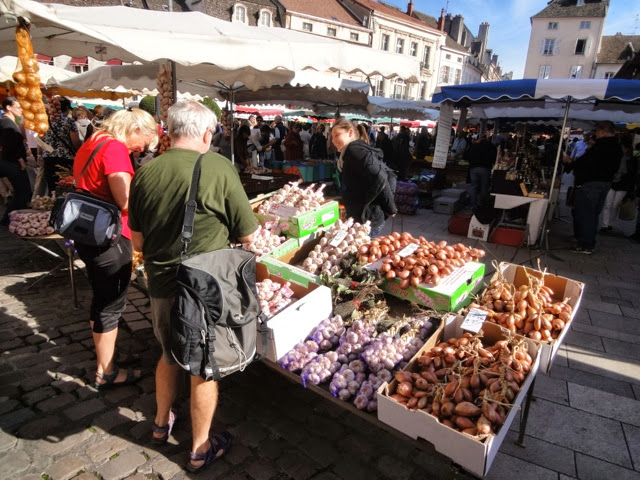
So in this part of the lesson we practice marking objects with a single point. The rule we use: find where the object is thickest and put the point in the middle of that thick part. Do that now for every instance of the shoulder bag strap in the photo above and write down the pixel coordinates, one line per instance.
(91, 157)
(190, 207)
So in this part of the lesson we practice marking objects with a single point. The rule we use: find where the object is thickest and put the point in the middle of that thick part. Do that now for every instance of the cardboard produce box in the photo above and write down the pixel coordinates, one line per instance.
(283, 263)
(454, 291)
(463, 449)
(295, 322)
(562, 288)
(305, 223)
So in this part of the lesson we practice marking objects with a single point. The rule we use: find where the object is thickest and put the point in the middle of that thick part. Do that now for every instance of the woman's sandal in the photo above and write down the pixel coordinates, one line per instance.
(110, 379)
(220, 444)
(164, 431)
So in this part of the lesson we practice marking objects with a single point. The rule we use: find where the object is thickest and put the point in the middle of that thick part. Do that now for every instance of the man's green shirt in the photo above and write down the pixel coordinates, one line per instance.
(159, 191)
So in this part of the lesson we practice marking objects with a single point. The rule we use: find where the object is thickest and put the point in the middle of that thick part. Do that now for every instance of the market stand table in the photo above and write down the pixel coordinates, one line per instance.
(535, 217)
(69, 251)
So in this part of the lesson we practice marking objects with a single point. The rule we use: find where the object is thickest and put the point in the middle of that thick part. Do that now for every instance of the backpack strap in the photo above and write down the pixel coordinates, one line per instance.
(190, 207)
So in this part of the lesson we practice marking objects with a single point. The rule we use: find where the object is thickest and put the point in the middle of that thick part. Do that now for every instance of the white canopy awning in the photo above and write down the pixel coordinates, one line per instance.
(9, 64)
(396, 108)
(192, 38)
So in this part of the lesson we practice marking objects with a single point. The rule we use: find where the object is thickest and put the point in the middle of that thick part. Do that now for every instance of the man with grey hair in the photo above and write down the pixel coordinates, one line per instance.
(159, 192)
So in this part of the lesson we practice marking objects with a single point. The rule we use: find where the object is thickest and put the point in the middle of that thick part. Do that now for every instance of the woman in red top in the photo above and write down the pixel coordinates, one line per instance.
(109, 268)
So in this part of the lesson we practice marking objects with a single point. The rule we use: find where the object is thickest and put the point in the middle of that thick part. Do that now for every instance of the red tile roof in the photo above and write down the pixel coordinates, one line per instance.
(393, 12)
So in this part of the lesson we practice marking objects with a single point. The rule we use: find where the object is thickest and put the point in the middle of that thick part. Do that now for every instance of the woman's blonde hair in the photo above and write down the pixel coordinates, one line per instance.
(344, 124)
(125, 122)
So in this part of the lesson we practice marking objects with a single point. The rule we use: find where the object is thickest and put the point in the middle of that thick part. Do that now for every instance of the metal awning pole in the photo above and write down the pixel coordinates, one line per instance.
(559, 152)
(232, 128)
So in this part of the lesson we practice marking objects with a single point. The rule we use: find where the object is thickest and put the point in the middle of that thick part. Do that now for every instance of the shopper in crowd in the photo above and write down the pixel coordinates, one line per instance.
(81, 118)
(13, 157)
(383, 142)
(318, 143)
(63, 137)
(241, 153)
(280, 132)
(594, 172)
(481, 156)
(266, 141)
(459, 145)
(222, 143)
(223, 214)
(108, 177)
(294, 149)
(622, 186)
(636, 161)
(402, 157)
(423, 142)
(367, 194)
(305, 135)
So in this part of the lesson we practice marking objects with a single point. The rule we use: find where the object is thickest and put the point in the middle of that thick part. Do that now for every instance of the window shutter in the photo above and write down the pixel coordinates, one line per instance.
(541, 51)
(556, 47)
(587, 46)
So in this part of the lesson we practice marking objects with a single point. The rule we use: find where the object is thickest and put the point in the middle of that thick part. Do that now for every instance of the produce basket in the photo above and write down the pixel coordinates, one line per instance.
(263, 183)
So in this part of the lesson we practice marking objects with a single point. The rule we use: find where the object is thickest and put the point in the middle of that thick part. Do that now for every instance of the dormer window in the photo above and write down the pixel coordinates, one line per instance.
(239, 14)
(265, 18)
(580, 3)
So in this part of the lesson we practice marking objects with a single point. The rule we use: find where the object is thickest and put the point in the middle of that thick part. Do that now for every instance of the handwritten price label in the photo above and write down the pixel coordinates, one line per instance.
(474, 320)
(338, 238)
(408, 250)
(286, 291)
(282, 210)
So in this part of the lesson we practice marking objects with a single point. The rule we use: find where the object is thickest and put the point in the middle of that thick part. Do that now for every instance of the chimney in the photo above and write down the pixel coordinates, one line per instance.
(410, 8)
(441, 21)
(457, 27)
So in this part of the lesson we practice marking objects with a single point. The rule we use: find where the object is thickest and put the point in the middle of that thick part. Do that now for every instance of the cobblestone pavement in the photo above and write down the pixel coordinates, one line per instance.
(584, 422)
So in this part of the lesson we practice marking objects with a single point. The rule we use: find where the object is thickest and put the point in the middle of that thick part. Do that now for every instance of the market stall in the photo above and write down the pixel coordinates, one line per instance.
(567, 99)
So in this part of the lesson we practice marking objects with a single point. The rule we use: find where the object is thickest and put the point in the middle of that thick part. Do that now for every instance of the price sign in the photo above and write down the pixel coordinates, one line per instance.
(408, 250)
(474, 320)
(286, 291)
(282, 210)
(260, 177)
(338, 238)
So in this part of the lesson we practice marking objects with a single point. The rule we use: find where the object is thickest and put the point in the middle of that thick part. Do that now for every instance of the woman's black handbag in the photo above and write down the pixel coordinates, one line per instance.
(214, 320)
(87, 219)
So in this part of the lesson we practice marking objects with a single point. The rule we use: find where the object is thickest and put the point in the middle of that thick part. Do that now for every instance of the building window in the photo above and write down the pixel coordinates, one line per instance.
(456, 81)
(384, 45)
(609, 74)
(549, 46)
(576, 71)
(544, 72)
(552, 26)
(240, 14)
(307, 27)
(447, 56)
(265, 19)
(414, 49)
(585, 25)
(399, 88)
(459, 59)
(354, 36)
(423, 90)
(445, 71)
(581, 46)
(331, 32)
(400, 45)
(425, 58)
(580, 3)
(378, 86)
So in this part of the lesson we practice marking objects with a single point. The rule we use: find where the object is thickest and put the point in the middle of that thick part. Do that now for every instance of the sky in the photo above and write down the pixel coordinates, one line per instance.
(510, 26)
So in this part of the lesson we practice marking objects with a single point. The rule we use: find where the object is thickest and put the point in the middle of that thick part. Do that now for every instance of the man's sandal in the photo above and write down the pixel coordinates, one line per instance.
(164, 431)
(110, 379)
(220, 444)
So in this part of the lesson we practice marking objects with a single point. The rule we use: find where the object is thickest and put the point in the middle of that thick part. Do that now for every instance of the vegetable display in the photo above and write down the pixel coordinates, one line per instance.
(406, 198)
(165, 92)
(341, 239)
(301, 200)
(465, 384)
(27, 86)
(274, 296)
(43, 202)
(529, 309)
(356, 359)
(30, 223)
(415, 261)
(265, 240)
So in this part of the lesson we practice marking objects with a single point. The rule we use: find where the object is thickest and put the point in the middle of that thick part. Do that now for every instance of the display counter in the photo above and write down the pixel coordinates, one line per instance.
(535, 217)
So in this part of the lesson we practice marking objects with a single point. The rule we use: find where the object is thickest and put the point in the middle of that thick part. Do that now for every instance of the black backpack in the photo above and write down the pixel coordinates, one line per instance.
(214, 320)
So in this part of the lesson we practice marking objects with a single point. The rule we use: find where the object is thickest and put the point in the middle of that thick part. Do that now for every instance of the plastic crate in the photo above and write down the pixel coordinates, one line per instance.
(514, 237)
(445, 205)
(459, 223)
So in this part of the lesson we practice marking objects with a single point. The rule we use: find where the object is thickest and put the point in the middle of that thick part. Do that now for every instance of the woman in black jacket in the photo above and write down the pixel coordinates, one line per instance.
(13, 157)
(368, 195)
